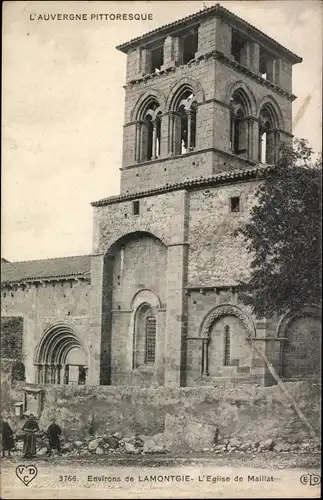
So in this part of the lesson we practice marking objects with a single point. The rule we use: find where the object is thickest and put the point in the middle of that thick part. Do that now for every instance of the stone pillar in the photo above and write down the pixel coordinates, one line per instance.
(254, 144)
(138, 142)
(254, 57)
(45, 381)
(176, 315)
(154, 140)
(145, 61)
(58, 374)
(170, 44)
(205, 356)
(99, 341)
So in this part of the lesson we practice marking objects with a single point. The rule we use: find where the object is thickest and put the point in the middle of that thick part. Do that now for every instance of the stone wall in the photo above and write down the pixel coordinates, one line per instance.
(215, 255)
(44, 305)
(247, 412)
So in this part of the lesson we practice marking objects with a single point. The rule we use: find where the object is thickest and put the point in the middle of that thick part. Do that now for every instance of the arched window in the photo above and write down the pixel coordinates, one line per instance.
(226, 350)
(150, 339)
(239, 129)
(183, 124)
(268, 135)
(144, 336)
(149, 132)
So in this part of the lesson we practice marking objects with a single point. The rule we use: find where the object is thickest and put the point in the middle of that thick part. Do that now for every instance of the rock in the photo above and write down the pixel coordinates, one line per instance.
(235, 442)
(118, 435)
(245, 446)
(255, 444)
(42, 451)
(206, 449)
(78, 444)
(181, 432)
(149, 444)
(92, 446)
(112, 442)
(219, 447)
(99, 451)
(267, 445)
(129, 448)
(279, 447)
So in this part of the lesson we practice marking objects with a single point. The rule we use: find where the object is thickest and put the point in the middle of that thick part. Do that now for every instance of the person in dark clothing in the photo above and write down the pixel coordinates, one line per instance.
(54, 431)
(30, 428)
(6, 437)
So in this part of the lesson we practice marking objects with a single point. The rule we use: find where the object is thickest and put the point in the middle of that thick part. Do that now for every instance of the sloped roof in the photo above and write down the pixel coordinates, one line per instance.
(259, 169)
(218, 11)
(45, 268)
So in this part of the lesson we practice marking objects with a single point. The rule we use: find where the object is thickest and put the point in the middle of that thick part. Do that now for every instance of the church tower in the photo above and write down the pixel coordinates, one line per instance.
(208, 101)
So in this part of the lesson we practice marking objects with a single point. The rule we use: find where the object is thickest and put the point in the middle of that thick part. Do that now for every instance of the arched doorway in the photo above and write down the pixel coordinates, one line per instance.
(301, 351)
(60, 357)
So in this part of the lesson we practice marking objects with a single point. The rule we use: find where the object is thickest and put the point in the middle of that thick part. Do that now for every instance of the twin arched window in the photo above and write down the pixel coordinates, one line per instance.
(241, 129)
(239, 125)
(268, 135)
(181, 127)
(149, 132)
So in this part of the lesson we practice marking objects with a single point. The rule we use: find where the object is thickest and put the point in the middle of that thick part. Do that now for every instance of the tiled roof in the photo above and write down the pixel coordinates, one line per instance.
(198, 16)
(190, 184)
(45, 268)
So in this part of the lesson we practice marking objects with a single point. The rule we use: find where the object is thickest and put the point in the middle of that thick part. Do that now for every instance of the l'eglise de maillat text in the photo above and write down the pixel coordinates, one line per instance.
(170, 478)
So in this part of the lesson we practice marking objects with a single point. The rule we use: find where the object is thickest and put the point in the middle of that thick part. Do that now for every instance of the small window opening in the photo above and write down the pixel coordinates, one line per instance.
(235, 204)
(157, 59)
(266, 65)
(136, 207)
(238, 47)
(190, 43)
(226, 360)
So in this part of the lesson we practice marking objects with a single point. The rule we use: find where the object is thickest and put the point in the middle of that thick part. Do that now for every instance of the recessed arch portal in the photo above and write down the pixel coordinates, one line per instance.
(60, 357)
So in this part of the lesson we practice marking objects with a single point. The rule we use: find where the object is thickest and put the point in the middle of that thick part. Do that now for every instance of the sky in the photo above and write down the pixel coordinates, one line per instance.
(63, 108)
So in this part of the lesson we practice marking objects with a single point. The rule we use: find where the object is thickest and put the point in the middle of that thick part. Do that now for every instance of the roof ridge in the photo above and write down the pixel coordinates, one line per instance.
(47, 258)
(44, 277)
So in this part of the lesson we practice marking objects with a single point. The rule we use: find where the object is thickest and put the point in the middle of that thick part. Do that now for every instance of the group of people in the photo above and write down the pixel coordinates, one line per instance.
(30, 428)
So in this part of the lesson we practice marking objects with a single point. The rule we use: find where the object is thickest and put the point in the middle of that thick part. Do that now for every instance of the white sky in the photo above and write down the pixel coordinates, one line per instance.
(63, 108)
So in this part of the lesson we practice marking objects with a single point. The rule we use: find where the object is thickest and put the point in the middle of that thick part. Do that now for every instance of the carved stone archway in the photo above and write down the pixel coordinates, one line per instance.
(227, 310)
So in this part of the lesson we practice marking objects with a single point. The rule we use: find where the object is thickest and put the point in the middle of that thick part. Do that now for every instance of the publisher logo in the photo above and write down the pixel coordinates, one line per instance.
(26, 473)
(310, 479)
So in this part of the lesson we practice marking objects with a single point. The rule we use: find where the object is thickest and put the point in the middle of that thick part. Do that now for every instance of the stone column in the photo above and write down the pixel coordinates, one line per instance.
(58, 374)
(205, 356)
(138, 142)
(254, 57)
(176, 315)
(254, 150)
(153, 155)
(189, 128)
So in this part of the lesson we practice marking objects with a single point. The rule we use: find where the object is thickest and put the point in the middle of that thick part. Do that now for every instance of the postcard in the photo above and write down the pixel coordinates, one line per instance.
(161, 240)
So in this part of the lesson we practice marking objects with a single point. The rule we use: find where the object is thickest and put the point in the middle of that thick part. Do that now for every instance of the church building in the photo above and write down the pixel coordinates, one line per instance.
(208, 102)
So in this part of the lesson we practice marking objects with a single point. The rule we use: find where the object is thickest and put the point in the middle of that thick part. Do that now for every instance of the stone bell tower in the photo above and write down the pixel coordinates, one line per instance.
(207, 103)
(200, 94)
